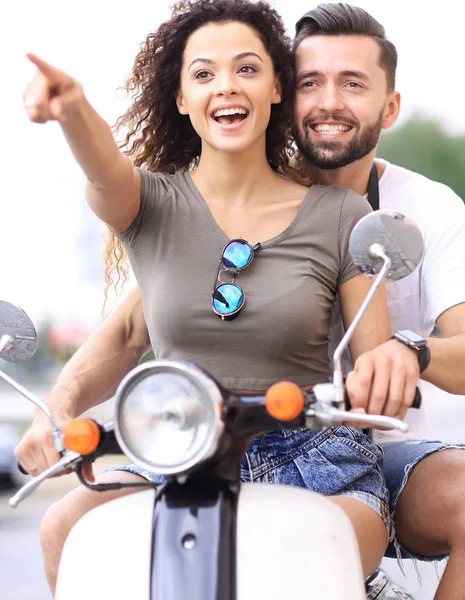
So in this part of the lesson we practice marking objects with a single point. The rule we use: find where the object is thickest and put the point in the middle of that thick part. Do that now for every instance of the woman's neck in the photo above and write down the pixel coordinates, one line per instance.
(233, 178)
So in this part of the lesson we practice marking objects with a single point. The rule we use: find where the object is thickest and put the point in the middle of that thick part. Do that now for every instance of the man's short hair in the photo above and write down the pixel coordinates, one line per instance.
(344, 19)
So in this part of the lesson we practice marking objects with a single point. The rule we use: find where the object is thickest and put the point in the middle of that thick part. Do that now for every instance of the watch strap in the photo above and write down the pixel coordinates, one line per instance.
(423, 351)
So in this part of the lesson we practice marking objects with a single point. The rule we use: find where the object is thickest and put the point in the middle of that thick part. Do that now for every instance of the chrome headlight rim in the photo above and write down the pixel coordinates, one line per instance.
(210, 390)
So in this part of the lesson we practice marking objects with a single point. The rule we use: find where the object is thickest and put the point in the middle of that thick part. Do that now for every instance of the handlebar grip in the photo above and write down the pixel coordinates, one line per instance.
(415, 404)
(110, 444)
(417, 400)
(21, 469)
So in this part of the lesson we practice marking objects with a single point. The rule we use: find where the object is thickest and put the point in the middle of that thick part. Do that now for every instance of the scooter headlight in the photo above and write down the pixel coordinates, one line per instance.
(168, 416)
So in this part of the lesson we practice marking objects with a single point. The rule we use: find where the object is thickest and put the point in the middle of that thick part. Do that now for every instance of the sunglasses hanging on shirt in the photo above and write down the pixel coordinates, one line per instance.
(228, 298)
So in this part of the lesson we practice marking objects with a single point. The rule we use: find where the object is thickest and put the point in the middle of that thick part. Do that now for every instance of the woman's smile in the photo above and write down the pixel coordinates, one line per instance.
(231, 117)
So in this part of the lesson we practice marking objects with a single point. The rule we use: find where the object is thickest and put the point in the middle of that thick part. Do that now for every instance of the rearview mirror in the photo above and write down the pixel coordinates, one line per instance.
(18, 338)
(399, 237)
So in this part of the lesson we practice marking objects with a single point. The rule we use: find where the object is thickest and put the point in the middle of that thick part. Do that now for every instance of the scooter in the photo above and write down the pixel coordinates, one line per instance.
(203, 535)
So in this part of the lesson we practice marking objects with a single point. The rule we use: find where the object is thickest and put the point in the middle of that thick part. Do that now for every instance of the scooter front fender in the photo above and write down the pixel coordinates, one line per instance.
(290, 543)
(108, 552)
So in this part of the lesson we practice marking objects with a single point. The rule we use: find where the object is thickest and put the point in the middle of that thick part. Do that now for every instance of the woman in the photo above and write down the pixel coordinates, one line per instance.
(207, 149)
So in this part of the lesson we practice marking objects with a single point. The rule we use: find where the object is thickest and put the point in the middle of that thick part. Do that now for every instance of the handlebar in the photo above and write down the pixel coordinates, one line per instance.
(322, 394)
(21, 470)
(318, 410)
(417, 399)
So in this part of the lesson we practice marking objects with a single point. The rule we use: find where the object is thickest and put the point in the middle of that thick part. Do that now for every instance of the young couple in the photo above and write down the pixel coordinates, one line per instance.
(217, 90)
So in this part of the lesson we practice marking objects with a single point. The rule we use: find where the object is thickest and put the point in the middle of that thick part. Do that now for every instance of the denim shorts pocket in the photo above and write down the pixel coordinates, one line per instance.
(334, 464)
(358, 441)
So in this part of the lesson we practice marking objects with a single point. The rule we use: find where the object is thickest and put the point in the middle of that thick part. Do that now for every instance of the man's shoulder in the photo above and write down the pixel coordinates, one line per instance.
(407, 191)
(400, 177)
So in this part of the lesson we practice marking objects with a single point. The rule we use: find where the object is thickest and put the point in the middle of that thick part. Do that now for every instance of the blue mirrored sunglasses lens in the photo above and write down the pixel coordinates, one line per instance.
(237, 255)
(227, 298)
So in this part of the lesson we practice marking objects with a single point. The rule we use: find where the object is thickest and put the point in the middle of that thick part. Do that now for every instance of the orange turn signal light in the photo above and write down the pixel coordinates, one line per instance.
(82, 435)
(284, 401)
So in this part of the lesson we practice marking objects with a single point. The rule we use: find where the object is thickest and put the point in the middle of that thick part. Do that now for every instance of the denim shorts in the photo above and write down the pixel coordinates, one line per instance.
(400, 458)
(336, 462)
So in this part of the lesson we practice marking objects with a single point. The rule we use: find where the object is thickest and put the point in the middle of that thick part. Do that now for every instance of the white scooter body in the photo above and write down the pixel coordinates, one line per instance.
(291, 543)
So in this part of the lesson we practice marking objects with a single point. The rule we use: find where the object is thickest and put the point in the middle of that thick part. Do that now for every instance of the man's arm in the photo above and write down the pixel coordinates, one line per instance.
(442, 292)
(380, 383)
(92, 375)
(88, 379)
(446, 369)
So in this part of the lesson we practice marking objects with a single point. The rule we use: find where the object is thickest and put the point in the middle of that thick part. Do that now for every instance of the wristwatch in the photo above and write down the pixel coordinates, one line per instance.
(416, 342)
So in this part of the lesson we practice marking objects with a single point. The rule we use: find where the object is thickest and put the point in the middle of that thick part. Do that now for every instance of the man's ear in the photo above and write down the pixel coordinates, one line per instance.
(182, 108)
(277, 92)
(391, 112)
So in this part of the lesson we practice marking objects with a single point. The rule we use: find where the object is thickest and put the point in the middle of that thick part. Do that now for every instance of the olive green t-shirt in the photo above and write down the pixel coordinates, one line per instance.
(174, 246)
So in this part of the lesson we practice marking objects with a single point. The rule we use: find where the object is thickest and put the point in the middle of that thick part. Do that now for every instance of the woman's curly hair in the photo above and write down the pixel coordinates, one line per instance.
(157, 136)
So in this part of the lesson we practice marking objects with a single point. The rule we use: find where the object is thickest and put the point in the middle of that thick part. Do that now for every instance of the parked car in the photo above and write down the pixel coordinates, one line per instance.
(10, 477)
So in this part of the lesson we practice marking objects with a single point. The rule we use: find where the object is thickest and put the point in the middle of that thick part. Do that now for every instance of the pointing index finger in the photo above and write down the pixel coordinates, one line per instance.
(44, 67)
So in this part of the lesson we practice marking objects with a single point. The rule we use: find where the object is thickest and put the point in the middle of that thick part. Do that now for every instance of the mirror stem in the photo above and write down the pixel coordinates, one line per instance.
(376, 251)
(56, 433)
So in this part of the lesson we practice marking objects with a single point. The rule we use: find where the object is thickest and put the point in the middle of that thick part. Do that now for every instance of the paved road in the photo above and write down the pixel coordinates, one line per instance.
(21, 577)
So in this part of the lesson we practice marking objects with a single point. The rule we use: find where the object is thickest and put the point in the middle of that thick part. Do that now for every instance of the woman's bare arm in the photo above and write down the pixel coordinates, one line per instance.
(385, 372)
(374, 328)
(113, 188)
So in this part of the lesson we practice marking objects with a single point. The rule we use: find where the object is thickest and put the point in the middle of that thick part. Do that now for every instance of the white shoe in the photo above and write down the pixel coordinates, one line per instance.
(380, 587)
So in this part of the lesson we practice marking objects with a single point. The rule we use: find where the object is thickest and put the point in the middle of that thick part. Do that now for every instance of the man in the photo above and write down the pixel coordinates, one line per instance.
(345, 97)
(342, 105)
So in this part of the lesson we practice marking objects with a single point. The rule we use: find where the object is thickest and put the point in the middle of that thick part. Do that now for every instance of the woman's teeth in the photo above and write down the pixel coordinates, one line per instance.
(226, 112)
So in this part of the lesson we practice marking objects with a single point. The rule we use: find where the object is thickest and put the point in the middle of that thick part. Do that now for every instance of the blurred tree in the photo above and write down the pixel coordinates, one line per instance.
(149, 356)
(422, 145)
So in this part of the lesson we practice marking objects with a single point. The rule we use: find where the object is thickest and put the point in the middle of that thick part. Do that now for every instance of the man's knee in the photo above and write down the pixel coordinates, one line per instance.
(431, 508)
(449, 467)
(61, 517)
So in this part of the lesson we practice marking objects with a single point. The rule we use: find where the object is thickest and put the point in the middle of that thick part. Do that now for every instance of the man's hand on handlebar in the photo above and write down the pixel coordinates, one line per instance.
(383, 380)
(36, 451)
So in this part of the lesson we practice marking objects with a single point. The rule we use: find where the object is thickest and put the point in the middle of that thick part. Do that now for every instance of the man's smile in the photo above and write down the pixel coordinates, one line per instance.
(330, 129)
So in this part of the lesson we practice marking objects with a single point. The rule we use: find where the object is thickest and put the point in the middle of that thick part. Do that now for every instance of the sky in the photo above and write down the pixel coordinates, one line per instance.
(43, 209)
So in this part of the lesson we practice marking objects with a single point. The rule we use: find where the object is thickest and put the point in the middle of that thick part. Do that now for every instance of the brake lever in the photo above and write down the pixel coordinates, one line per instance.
(329, 417)
(68, 461)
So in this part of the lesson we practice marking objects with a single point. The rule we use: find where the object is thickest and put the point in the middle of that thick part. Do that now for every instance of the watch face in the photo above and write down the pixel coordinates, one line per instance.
(411, 336)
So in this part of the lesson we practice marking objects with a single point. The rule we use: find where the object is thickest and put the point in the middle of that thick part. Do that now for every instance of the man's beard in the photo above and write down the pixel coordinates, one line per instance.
(329, 154)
